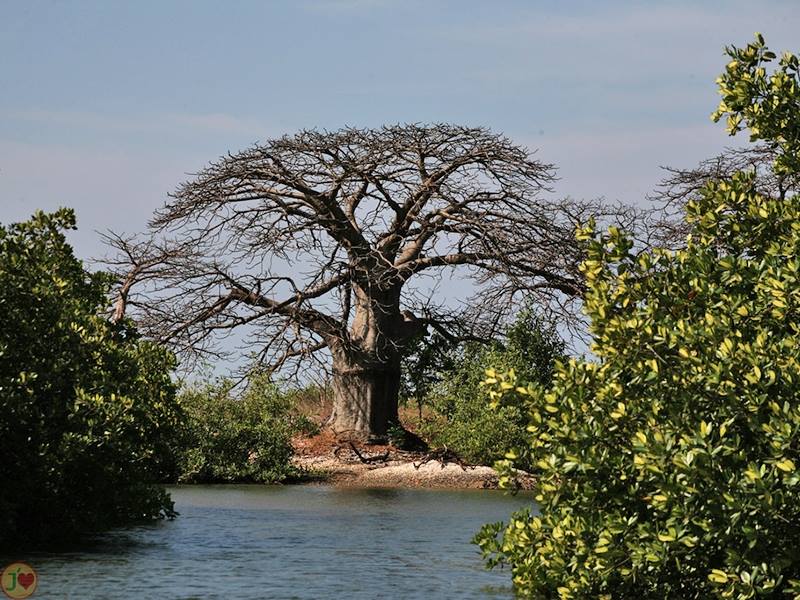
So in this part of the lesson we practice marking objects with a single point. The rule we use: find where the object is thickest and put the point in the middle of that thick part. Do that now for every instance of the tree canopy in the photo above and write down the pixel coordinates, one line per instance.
(341, 243)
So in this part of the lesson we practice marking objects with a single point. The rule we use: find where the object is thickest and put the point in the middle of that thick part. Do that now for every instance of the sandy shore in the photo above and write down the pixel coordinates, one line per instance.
(333, 462)
(396, 473)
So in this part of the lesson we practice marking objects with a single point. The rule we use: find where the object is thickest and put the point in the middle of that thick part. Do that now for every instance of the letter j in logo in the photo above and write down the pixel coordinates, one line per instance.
(18, 580)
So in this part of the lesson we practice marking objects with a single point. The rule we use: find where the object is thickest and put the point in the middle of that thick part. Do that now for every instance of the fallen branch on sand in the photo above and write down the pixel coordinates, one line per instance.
(442, 455)
(369, 459)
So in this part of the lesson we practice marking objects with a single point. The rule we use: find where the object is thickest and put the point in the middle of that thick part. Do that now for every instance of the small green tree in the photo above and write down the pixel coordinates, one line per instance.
(474, 429)
(668, 468)
(427, 359)
(87, 410)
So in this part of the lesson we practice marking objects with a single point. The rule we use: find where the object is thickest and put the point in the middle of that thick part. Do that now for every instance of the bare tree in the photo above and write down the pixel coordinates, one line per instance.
(335, 245)
(682, 185)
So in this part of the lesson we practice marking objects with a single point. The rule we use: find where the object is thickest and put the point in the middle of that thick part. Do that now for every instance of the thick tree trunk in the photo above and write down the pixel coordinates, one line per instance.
(366, 367)
(364, 399)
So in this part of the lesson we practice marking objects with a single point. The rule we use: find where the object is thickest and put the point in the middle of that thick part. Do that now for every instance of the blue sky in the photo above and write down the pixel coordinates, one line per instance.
(106, 106)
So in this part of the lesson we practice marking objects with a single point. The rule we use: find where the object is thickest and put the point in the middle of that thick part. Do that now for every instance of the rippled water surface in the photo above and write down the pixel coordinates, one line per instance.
(292, 542)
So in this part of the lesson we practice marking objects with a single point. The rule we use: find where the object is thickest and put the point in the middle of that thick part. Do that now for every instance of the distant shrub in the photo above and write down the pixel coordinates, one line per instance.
(311, 405)
(472, 428)
(239, 439)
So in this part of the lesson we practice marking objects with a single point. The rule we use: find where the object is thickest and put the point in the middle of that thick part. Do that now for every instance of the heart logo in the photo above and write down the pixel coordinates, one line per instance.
(26, 580)
(18, 580)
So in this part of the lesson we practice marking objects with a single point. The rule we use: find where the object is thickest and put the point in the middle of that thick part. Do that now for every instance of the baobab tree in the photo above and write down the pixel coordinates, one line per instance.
(328, 246)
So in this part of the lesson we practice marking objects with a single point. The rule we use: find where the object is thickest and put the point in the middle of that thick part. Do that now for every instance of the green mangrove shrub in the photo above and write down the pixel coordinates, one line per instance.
(87, 409)
(247, 438)
(668, 468)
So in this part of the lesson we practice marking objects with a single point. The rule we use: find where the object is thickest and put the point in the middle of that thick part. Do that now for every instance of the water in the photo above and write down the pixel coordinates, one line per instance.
(252, 542)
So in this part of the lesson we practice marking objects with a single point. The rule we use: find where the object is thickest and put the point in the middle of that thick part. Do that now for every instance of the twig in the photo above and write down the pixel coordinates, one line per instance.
(369, 459)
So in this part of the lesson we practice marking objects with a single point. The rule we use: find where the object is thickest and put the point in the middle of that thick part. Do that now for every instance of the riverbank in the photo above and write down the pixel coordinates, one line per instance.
(331, 461)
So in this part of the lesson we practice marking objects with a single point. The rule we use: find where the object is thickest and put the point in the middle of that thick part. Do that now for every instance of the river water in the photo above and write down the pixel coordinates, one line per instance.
(282, 542)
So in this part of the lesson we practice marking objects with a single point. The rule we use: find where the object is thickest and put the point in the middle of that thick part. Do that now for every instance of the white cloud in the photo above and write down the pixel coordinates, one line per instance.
(172, 122)
(626, 165)
(647, 42)
(674, 19)
(345, 6)
(109, 189)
